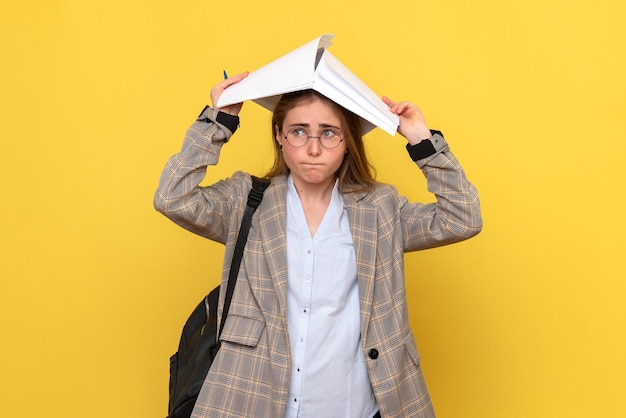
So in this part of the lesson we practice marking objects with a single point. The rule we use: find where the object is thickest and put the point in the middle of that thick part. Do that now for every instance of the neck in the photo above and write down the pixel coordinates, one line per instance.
(315, 199)
(312, 194)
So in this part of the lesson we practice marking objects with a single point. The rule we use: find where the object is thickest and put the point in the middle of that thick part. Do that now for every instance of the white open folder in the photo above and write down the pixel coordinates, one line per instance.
(312, 67)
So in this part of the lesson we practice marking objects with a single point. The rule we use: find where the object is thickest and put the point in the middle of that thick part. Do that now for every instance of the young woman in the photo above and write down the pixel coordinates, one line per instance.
(318, 325)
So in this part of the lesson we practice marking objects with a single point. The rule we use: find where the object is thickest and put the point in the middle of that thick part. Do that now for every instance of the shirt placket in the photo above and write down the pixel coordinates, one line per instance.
(304, 316)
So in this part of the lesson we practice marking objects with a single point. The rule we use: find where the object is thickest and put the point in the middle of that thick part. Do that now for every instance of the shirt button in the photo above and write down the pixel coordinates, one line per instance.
(373, 354)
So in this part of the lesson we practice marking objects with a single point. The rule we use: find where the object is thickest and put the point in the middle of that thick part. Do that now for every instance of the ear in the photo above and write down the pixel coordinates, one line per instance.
(278, 136)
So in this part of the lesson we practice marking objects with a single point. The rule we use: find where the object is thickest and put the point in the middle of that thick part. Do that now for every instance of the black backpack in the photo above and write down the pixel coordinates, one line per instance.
(199, 341)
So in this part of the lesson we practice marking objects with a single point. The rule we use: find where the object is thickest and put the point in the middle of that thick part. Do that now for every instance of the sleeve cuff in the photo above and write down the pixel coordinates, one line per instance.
(427, 147)
(230, 122)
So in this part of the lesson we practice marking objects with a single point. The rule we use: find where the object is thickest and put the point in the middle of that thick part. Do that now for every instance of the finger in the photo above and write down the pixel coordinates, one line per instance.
(393, 106)
(388, 101)
(232, 80)
(217, 91)
(399, 108)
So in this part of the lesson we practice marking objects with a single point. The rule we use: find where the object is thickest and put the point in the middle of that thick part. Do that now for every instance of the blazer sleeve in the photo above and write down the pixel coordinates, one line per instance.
(455, 216)
(205, 211)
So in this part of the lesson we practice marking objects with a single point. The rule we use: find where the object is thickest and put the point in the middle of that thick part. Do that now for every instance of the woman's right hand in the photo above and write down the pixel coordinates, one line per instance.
(217, 91)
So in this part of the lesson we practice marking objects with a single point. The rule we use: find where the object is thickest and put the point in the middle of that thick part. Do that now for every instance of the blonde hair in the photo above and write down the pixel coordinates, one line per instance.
(355, 173)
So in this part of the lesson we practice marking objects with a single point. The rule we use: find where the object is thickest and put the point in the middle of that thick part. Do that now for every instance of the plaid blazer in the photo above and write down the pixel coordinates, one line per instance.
(250, 375)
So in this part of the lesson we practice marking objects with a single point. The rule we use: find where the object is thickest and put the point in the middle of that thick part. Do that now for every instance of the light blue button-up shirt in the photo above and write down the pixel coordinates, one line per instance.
(328, 371)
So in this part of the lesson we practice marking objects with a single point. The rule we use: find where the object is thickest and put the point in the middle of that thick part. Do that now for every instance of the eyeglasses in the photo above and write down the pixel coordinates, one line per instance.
(298, 137)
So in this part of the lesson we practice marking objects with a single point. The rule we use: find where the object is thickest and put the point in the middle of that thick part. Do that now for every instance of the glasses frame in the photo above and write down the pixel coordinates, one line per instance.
(308, 137)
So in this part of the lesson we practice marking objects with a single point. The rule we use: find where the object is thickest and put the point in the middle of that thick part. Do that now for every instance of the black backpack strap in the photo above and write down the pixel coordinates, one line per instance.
(254, 200)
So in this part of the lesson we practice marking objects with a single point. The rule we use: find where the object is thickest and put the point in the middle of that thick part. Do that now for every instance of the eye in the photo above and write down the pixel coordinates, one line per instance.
(329, 133)
(298, 132)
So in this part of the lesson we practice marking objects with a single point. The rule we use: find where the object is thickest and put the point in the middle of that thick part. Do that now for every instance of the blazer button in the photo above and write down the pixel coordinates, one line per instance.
(373, 354)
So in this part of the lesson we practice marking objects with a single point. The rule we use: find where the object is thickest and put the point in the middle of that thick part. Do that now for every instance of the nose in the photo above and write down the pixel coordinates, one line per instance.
(314, 147)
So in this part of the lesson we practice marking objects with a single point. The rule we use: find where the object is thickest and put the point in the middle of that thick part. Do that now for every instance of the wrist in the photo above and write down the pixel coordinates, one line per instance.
(421, 135)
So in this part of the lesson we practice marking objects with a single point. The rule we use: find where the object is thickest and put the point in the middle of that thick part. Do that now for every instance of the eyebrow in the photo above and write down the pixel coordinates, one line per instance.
(307, 125)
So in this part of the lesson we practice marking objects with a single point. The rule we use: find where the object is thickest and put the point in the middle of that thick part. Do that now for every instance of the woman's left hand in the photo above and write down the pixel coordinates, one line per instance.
(412, 122)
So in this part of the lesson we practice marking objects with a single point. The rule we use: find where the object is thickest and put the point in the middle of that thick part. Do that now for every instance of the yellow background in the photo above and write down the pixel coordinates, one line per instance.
(526, 320)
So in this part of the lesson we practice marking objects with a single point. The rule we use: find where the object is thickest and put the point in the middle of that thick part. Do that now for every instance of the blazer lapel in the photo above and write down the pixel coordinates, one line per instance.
(363, 225)
(272, 227)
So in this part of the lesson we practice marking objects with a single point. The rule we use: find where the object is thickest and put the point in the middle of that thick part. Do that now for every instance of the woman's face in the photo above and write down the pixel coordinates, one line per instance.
(312, 164)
